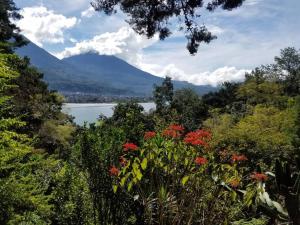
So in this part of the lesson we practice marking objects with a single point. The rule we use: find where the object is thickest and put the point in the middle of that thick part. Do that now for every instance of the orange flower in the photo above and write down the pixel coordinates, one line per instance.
(197, 138)
(176, 127)
(200, 161)
(170, 133)
(114, 171)
(130, 146)
(238, 158)
(173, 131)
(149, 135)
(259, 177)
(234, 183)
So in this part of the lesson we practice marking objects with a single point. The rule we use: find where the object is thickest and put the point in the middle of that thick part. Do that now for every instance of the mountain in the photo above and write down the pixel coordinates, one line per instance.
(96, 74)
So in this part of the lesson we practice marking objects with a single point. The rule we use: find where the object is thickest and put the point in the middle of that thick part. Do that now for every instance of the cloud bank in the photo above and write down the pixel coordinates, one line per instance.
(41, 25)
(213, 78)
(124, 43)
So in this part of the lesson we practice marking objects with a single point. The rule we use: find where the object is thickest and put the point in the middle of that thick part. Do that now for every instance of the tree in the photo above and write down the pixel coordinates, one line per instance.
(285, 70)
(9, 32)
(288, 63)
(190, 108)
(25, 173)
(131, 119)
(39, 108)
(225, 96)
(163, 95)
(152, 17)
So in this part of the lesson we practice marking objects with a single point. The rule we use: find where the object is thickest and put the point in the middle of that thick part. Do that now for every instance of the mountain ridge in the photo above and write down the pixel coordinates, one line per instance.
(95, 74)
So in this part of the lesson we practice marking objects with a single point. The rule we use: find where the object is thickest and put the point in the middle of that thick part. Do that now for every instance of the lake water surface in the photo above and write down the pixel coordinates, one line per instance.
(89, 112)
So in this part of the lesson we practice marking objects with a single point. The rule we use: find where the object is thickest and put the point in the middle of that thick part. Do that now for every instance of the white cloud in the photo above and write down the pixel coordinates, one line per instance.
(124, 43)
(41, 25)
(252, 2)
(88, 12)
(73, 40)
(213, 78)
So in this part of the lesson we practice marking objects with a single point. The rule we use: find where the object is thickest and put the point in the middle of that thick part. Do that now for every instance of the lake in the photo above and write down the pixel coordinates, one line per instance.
(89, 112)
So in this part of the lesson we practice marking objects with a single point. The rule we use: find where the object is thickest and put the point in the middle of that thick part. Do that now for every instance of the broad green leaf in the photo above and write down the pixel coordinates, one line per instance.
(115, 188)
(129, 186)
(184, 180)
(144, 163)
(123, 180)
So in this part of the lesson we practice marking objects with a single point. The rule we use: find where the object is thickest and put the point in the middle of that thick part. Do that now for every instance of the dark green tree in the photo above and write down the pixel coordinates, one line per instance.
(152, 17)
(9, 32)
(225, 96)
(163, 95)
(190, 108)
(131, 119)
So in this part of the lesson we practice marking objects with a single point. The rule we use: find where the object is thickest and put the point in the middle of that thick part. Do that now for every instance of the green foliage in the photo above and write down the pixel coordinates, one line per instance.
(190, 109)
(265, 134)
(163, 96)
(258, 90)
(24, 172)
(131, 119)
(9, 35)
(223, 98)
(97, 150)
(163, 176)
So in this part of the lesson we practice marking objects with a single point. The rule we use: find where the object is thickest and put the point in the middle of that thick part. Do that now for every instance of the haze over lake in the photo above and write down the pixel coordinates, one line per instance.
(89, 112)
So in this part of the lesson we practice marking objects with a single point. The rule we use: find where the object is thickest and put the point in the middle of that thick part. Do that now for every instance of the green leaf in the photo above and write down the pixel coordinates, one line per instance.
(139, 175)
(123, 180)
(115, 188)
(129, 186)
(184, 180)
(144, 163)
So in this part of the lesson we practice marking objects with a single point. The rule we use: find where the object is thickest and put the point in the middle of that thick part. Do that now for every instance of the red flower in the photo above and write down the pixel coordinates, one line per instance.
(123, 161)
(234, 183)
(114, 171)
(259, 177)
(176, 127)
(238, 158)
(173, 131)
(197, 138)
(200, 161)
(170, 133)
(149, 135)
(130, 146)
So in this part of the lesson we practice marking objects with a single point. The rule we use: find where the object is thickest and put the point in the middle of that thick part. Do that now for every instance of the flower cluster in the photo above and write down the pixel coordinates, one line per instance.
(238, 158)
(259, 177)
(149, 135)
(130, 147)
(200, 161)
(114, 171)
(197, 138)
(173, 131)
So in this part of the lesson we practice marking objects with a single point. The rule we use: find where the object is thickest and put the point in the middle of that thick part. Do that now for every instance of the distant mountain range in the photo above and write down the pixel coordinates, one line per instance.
(96, 74)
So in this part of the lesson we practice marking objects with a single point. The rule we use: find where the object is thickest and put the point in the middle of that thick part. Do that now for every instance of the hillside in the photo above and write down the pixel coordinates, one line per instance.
(96, 74)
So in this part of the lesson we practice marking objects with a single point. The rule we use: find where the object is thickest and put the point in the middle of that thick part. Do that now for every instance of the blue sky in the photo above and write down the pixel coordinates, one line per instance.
(247, 37)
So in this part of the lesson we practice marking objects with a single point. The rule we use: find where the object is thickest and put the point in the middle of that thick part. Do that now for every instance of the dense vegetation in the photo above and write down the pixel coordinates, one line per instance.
(228, 157)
